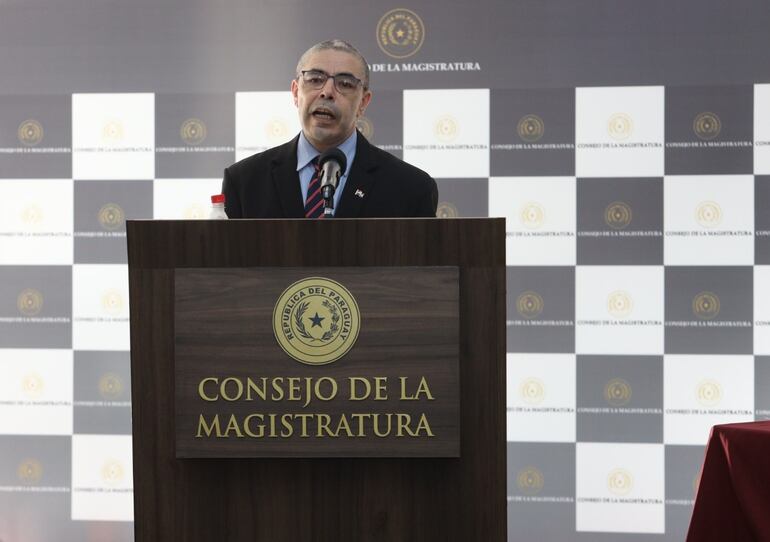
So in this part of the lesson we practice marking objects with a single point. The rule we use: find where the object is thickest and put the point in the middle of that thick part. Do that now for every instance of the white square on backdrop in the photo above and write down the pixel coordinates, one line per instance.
(700, 391)
(539, 218)
(102, 478)
(612, 479)
(619, 131)
(36, 392)
(709, 219)
(762, 129)
(184, 199)
(36, 221)
(541, 397)
(263, 120)
(113, 136)
(619, 309)
(446, 132)
(100, 318)
(762, 310)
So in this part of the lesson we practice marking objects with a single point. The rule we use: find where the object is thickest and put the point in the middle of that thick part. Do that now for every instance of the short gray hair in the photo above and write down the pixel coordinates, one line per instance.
(336, 45)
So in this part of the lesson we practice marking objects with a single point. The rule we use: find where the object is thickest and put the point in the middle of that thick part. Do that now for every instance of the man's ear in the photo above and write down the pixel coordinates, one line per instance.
(367, 97)
(294, 91)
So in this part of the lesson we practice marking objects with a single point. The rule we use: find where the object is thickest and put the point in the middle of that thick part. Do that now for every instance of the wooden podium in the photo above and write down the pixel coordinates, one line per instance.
(207, 298)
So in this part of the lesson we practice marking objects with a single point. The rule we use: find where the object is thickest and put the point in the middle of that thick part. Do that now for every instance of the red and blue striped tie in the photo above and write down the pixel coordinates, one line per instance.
(314, 204)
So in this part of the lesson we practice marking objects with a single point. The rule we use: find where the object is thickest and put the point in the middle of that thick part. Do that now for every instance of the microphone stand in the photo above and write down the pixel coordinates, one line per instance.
(327, 192)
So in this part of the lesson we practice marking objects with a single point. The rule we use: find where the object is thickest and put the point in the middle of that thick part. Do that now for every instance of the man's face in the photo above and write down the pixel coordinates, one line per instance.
(327, 116)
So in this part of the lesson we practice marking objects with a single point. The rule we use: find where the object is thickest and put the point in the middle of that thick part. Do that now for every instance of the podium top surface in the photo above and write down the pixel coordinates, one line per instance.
(158, 244)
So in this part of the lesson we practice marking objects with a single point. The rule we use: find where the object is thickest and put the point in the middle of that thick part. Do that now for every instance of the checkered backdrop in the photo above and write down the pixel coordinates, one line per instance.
(638, 251)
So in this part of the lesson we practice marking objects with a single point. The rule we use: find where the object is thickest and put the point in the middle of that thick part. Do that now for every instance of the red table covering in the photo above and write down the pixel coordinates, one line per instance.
(733, 500)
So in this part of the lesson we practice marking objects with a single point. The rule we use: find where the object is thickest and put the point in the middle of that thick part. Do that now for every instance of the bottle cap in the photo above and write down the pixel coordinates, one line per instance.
(218, 198)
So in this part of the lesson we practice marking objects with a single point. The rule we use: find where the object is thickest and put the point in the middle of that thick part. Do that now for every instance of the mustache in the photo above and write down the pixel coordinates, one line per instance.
(327, 106)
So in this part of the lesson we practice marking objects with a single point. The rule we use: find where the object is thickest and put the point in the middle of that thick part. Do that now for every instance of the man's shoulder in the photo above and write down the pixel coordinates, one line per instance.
(393, 165)
(263, 159)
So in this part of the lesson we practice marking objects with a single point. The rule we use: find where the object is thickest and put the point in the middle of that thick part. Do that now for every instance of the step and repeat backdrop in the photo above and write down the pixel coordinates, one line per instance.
(638, 234)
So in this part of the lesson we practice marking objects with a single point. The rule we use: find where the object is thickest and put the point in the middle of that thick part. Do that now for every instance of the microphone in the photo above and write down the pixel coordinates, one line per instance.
(332, 163)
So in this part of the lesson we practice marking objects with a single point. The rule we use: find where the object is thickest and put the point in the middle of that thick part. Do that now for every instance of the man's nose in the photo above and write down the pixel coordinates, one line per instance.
(328, 90)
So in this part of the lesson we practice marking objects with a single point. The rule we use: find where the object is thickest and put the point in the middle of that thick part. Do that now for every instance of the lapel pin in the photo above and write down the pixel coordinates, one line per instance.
(359, 193)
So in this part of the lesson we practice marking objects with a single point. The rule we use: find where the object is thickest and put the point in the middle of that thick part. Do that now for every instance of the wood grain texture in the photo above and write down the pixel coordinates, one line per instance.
(409, 328)
(330, 499)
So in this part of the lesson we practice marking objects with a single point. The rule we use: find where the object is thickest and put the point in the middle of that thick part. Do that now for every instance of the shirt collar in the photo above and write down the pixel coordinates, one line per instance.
(306, 151)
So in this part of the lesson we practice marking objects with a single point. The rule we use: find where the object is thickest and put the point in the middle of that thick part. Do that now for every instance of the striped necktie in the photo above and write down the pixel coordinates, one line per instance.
(314, 204)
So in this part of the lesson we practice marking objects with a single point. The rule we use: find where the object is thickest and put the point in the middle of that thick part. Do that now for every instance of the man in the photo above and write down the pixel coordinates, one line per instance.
(331, 92)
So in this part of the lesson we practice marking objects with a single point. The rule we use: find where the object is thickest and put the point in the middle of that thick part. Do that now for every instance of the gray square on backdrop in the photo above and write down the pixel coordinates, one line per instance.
(102, 393)
(620, 399)
(683, 465)
(541, 491)
(194, 135)
(762, 387)
(383, 124)
(38, 130)
(716, 126)
(101, 211)
(620, 221)
(540, 303)
(532, 132)
(462, 198)
(709, 310)
(36, 306)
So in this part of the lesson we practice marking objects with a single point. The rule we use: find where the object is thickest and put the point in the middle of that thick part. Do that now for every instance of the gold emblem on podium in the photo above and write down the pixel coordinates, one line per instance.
(446, 210)
(708, 393)
(193, 131)
(111, 216)
(706, 125)
(29, 302)
(706, 305)
(620, 481)
(30, 133)
(530, 128)
(618, 215)
(316, 320)
(617, 392)
(530, 480)
(30, 471)
(620, 126)
(400, 33)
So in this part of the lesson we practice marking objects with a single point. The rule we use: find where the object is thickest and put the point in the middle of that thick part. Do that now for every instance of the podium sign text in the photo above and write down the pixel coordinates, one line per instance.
(317, 362)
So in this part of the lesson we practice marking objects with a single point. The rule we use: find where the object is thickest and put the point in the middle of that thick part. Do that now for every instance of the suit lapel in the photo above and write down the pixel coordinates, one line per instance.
(360, 181)
(286, 180)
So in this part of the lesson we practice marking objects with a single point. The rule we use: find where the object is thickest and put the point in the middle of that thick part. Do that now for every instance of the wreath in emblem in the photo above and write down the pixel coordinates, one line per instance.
(300, 325)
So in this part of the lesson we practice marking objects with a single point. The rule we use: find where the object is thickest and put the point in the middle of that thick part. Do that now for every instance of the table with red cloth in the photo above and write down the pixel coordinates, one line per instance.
(733, 500)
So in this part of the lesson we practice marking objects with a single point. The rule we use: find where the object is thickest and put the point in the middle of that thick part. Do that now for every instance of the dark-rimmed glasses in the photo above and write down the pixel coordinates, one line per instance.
(345, 83)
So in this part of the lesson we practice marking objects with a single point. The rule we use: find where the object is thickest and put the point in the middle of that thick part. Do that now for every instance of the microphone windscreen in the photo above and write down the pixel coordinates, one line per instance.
(337, 156)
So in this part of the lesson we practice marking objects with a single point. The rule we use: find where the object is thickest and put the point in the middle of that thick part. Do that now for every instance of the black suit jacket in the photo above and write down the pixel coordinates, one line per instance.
(266, 185)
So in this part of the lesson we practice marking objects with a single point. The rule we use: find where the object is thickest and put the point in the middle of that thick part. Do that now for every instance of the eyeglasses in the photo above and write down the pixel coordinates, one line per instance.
(345, 83)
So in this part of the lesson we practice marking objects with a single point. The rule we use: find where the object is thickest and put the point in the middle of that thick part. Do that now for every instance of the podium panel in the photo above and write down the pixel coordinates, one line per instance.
(242, 319)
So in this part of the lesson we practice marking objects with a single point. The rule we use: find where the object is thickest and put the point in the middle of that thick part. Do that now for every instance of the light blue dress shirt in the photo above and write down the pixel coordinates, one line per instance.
(305, 154)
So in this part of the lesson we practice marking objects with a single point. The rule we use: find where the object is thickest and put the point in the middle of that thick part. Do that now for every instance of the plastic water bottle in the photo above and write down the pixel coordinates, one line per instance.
(218, 207)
